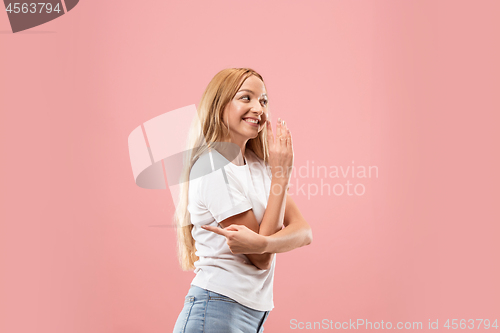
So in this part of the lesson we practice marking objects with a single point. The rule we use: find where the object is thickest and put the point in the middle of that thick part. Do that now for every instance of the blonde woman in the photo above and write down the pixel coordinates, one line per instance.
(234, 212)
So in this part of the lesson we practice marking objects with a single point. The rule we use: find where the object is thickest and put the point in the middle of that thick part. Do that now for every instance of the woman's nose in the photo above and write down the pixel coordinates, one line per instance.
(259, 109)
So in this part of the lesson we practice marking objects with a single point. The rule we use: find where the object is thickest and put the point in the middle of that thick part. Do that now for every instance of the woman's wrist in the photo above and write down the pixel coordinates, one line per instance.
(279, 184)
(265, 244)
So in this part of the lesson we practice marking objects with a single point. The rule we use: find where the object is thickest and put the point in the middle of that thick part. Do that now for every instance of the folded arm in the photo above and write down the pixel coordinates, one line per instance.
(260, 243)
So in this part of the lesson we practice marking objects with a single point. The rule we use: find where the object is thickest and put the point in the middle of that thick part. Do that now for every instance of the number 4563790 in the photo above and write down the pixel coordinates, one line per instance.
(32, 8)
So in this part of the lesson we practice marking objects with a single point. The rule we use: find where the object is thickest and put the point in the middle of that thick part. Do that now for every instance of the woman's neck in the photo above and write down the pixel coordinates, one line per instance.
(232, 152)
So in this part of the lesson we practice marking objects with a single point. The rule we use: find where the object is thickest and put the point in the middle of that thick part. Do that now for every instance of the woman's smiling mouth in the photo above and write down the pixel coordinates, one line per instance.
(252, 121)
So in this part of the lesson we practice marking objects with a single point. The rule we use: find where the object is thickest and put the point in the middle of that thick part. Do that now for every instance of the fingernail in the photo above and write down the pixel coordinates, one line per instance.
(279, 119)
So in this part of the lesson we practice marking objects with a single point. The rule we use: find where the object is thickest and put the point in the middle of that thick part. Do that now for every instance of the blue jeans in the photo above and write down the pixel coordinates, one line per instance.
(207, 312)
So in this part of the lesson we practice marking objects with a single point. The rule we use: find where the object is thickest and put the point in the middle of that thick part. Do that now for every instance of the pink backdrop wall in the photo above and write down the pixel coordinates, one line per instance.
(410, 87)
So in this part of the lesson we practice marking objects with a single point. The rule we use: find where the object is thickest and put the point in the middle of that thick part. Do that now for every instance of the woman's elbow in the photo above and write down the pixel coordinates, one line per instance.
(263, 263)
(266, 266)
(309, 236)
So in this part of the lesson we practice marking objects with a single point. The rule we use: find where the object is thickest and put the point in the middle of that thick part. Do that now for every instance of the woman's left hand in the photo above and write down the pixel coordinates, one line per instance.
(240, 238)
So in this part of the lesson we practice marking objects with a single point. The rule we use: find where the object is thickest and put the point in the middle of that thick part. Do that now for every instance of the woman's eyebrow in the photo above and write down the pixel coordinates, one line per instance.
(263, 95)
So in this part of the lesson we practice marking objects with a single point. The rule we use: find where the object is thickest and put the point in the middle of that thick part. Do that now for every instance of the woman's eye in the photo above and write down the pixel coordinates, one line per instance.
(246, 97)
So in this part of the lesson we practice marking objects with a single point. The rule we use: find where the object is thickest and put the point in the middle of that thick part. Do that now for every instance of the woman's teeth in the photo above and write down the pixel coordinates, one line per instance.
(251, 121)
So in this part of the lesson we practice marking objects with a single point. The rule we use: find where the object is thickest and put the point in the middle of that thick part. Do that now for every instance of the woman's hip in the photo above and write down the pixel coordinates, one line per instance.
(209, 312)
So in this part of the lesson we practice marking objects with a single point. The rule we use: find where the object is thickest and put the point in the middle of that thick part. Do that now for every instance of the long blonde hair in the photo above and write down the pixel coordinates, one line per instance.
(206, 130)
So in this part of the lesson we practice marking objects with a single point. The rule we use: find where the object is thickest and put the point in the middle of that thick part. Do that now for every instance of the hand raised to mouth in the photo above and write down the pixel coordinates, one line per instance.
(280, 150)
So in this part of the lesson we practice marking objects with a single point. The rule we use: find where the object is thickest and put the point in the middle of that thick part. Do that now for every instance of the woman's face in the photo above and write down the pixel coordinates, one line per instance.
(249, 103)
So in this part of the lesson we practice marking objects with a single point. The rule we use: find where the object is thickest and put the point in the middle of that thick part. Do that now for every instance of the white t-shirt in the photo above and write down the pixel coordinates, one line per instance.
(214, 196)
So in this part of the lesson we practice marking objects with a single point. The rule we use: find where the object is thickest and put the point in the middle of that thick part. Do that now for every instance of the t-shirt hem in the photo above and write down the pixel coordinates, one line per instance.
(226, 292)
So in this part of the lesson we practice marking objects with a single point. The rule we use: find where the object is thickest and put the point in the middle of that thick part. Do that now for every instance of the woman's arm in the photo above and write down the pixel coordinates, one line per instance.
(272, 221)
(258, 248)
(296, 233)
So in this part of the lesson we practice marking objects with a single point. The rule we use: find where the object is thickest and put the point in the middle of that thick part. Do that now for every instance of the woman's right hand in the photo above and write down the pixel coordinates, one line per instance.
(280, 151)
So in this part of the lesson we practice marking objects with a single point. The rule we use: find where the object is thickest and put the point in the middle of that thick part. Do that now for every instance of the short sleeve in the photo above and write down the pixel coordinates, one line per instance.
(223, 195)
(218, 195)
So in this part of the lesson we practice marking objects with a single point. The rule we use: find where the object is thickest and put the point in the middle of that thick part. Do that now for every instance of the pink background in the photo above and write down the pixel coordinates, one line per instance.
(409, 86)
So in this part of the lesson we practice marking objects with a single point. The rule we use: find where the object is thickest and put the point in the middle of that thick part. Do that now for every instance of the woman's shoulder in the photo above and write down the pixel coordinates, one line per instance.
(207, 164)
(201, 167)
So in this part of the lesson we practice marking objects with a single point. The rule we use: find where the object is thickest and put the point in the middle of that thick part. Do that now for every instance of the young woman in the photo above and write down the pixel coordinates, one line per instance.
(234, 213)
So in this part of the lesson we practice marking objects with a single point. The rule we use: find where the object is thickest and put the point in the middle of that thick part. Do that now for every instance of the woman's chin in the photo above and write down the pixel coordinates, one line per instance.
(251, 132)
(253, 135)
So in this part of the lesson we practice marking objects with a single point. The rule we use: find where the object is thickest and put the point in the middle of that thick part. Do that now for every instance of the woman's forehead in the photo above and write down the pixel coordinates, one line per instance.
(254, 85)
